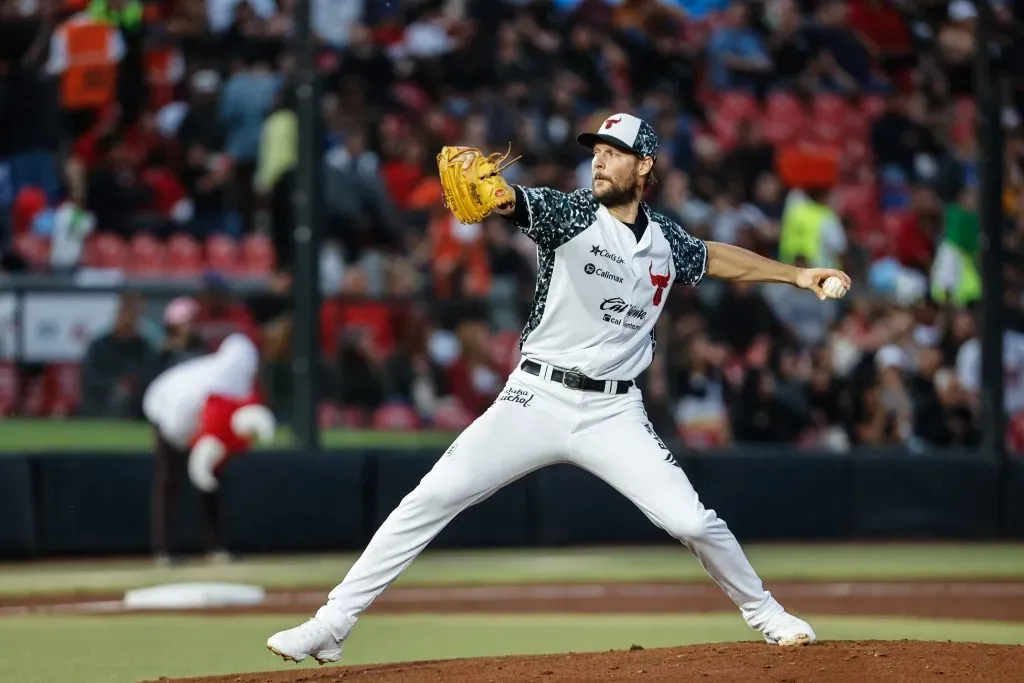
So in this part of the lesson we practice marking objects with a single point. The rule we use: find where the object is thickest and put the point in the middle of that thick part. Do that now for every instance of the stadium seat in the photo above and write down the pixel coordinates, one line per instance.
(33, 248)
(965, 121)
(331, 415)
(859, 203)
(353, 417)
(8, 388)
(829, 118)
(184, 256)
(64, 380)
(505, 348)
(222, 254)
(146, 255)
(737, 106)
(872, 106)
(784, 118)
(104, 250)
(396, 417)
(34, 396)
(451, 415)
(893, 224)
(258, 256)
(328, 415)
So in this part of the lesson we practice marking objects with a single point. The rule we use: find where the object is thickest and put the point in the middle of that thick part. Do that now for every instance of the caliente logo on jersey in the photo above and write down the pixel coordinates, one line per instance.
(617, 306)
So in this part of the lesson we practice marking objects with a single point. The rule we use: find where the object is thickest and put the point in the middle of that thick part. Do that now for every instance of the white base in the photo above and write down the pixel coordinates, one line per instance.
(194, 596)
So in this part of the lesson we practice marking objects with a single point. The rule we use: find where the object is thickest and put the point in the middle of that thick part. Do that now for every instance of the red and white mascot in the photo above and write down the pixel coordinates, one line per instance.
(209, 408)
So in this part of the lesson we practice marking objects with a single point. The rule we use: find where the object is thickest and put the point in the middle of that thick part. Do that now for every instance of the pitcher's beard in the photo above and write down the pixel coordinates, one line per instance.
(615, 195)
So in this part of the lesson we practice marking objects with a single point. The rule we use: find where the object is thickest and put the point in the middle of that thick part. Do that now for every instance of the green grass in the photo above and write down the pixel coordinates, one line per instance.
(123, 649)
(657, 563)
(34, 436)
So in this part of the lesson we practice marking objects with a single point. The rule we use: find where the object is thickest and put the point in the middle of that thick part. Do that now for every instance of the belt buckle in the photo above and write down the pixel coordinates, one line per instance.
(572, 379)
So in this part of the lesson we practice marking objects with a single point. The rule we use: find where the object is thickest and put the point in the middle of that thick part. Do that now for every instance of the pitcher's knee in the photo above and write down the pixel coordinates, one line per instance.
(689, 526)
(429, 495)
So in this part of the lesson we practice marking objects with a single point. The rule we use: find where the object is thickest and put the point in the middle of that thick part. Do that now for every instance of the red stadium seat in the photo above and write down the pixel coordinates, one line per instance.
(105, 250)
(331, 415)
(872, 106)
(222, 254)
(965, 121)
(258, 256)
(829, 118)
(33, 248)
(8, 388)
(396, 417)
(859, 203)
(353, 417)
(184, 256)
(65, 389)
(505, 348)
(784, 118)
(328, 415)
(147, 255)
(737, 106)
(34, 397)
(451, 415)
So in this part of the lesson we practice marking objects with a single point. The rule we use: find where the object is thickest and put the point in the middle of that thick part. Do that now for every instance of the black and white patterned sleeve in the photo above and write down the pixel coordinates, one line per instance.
(689, 254)
(549, 217)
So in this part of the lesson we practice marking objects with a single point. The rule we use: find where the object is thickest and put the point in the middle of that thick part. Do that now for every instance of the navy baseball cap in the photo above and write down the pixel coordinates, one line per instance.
(627, 132)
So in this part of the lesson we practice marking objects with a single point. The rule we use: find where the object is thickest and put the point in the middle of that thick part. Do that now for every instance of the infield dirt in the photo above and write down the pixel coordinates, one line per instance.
(840, 661)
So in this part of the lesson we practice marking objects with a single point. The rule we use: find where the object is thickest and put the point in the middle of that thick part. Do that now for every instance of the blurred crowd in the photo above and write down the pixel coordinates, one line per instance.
(838, 132)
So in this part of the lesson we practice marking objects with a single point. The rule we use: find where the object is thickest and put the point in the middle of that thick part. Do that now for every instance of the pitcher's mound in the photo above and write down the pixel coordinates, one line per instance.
(844, 661)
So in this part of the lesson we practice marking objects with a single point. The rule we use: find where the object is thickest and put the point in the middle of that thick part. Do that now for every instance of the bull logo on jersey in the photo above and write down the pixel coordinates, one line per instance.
(611, 122)
(659, 281)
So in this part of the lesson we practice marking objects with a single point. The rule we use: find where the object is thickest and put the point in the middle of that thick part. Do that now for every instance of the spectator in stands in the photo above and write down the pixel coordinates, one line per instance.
(762, 416)
(202, 125)
(116, 366)
(117, 193)
(220, 314)
(30, 124)
(475, 378)
(413, 377)
(181, 342)
(702, 410)
(275, 172)
(737, 57)
(128, 17)
(245, 101)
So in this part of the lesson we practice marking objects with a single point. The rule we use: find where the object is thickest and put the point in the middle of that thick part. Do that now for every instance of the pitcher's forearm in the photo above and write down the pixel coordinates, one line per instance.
(729, 262)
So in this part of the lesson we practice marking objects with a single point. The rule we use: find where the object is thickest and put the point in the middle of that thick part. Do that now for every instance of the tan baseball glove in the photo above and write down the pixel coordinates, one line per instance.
(473, 186)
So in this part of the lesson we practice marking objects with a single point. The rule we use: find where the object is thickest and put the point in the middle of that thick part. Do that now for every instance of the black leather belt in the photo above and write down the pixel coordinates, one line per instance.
(576, 380)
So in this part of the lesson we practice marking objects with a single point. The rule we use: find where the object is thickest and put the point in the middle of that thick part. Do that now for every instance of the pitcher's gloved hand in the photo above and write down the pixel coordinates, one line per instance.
(473, 186)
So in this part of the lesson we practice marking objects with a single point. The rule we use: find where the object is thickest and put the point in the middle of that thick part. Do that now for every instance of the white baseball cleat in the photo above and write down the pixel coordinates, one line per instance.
(310, 639)
(784, 630)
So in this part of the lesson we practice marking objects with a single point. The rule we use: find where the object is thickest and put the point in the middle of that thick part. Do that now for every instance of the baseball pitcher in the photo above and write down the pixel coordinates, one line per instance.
(606, 262)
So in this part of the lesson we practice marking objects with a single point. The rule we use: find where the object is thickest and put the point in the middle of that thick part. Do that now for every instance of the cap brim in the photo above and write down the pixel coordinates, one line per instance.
(588, 140)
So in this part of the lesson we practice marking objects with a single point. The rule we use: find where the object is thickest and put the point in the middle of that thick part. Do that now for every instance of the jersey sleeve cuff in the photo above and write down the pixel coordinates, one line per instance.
(522, 217)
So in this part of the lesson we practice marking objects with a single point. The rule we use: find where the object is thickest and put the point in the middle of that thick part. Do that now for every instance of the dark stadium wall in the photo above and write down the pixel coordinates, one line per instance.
(99, 504)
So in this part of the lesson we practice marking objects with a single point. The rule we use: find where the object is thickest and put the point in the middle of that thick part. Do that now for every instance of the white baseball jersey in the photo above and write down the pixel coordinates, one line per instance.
(600, 291)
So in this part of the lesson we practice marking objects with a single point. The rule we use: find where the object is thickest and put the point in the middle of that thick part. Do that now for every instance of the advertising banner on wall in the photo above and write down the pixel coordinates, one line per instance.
(57, 327)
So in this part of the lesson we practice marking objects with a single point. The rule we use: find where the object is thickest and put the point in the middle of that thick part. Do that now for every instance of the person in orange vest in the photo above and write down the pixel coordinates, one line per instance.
(84, 54)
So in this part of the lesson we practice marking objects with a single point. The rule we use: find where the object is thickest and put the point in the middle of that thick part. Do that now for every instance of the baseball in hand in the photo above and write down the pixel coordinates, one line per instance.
(834, 288)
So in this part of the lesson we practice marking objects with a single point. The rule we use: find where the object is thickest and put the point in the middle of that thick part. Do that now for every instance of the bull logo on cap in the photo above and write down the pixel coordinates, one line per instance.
(611, 122)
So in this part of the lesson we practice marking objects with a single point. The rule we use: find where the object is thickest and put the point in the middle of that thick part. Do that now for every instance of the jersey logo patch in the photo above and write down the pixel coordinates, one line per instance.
(659, 281)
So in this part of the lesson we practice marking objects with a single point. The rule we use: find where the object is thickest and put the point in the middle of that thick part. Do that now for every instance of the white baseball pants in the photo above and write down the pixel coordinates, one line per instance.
(534, 423)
